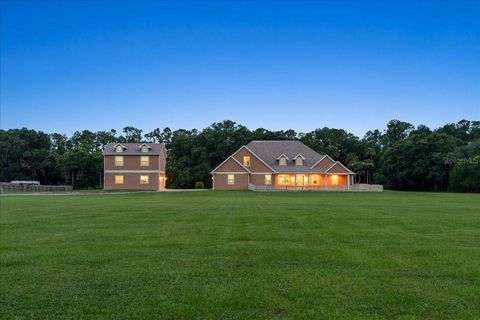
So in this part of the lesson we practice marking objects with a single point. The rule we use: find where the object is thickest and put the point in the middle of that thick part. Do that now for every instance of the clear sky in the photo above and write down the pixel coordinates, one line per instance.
(68, 66)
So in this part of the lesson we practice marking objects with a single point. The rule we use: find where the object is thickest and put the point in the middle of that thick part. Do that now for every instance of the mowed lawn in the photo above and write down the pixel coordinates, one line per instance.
(241, 255)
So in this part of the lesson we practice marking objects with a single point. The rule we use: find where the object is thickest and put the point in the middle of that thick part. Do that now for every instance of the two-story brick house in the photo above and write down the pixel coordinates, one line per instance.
(134, 166)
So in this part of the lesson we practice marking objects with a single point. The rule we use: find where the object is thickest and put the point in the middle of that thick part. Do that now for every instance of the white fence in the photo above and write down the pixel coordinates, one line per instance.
(353, 188)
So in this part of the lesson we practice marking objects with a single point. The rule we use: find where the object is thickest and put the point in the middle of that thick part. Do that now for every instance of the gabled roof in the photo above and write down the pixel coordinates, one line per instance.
(144, 144)
(232, 156)
(235, 160)
(338, 163)
(134, 148)
(299, 155)
(269, 151)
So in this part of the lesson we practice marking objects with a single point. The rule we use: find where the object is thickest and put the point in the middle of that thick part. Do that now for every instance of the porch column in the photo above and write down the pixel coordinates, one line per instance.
(348, 182)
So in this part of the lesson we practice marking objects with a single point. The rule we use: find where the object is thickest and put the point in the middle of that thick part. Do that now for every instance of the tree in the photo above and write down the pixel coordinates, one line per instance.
(131, 134)
(465, 175)
(396, 131)
(418, 162)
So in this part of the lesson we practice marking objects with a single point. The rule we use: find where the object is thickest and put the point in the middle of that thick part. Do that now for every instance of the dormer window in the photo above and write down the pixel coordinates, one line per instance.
(119, 148)
(144, 148)
(282, 160)
(299, 160)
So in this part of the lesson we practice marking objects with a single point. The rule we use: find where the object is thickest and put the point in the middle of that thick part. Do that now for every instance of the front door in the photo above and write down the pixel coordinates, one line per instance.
(302, 180)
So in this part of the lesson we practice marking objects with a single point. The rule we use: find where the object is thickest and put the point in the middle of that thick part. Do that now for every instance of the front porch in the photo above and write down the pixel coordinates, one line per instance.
(312, 181)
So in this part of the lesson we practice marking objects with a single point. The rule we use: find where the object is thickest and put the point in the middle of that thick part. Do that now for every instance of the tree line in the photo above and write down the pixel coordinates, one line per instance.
(401, 157)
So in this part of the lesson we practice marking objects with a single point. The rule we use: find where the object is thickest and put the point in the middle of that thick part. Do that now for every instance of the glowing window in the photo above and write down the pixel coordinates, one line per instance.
(118, 179)
(282, 161)
(314, 179)
(119, 149)
(144, 161)
(246, 161)
(118, 161)
(143, 179)
(144, 149)
(231, 179)
(334, 180)
(268, 179)
(299, 161)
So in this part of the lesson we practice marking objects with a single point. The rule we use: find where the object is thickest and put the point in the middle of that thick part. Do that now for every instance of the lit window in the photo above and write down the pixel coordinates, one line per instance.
(144, 161)
(118, 161)
(246, 161)
(118, 179)
(282, 161)
(144, 149)
(143, 179)
(231, 179)
(283, 179)
(299, 161)
(268, 179)
(314, 179)
(119, 148)
(334, 180)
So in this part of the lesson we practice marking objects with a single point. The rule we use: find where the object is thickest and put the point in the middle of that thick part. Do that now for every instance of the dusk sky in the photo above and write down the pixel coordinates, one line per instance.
(97, 65)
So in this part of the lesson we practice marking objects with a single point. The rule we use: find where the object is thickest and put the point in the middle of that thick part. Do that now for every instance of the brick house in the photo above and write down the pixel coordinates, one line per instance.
(134, 166)
(281, 165)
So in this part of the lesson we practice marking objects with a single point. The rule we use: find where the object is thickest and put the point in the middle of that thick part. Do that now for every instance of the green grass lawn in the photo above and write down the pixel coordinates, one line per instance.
(241, 255)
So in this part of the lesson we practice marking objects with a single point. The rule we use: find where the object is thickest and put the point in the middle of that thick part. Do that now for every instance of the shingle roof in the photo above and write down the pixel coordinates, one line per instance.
(270, 150)
(133, 148)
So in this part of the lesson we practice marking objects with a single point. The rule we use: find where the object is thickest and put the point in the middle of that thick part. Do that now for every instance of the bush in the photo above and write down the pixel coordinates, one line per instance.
(465, 175)
(199, 185)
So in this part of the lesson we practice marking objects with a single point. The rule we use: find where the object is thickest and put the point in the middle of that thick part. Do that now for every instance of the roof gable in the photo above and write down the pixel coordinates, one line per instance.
(338, 167)
(324, 163)
(230, 165)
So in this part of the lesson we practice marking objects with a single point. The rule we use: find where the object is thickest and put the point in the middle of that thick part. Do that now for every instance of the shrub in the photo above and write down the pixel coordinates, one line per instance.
(199, 185)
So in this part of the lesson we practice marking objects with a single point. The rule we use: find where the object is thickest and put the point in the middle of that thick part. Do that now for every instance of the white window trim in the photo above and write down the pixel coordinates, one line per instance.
(115, 161)
(147, 163)
(148, 179)
(249, 161)
(270, 179)
(228, 179)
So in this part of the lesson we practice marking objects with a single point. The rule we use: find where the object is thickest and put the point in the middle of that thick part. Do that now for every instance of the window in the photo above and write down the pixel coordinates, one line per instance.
(282, 161)
(143, 179)
(299, 161)
(144, 161)
(231, 179)
(314, 179)
(283, 179)
(335, 180)
(268, 179)
(144, 149)
(246, 161)
(118, 179)
(118, 161)
(119, 148)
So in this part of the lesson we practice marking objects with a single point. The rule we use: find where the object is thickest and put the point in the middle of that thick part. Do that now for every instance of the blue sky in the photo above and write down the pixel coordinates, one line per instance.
(68, 66)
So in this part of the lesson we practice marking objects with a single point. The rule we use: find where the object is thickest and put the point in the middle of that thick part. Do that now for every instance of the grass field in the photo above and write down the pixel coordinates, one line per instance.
(241, 255)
